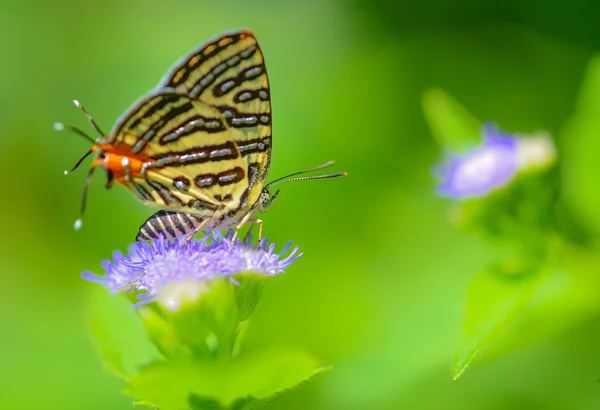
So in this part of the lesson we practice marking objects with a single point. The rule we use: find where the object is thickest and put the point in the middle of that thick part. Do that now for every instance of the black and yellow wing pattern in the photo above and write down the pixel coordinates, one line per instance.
(203, 138)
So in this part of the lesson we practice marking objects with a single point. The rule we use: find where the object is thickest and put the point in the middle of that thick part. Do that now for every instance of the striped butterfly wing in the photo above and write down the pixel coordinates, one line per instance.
(190, 160)
(211, 151)
(229, 73)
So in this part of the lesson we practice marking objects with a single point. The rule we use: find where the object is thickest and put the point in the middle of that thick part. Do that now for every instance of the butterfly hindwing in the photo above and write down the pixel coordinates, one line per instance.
(168, 223)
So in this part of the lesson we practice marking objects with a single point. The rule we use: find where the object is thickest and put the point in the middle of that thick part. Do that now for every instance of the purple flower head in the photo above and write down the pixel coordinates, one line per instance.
(491, 165)
(150, 267)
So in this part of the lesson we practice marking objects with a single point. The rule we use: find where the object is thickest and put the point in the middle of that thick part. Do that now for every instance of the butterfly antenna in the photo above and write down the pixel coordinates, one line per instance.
(59, 126)
(89, 117)
(339, 174)
(87, 154)
(325, 165)
(79, 220)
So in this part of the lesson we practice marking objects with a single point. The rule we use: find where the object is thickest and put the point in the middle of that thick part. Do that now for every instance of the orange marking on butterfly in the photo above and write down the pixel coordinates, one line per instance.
(112, 159)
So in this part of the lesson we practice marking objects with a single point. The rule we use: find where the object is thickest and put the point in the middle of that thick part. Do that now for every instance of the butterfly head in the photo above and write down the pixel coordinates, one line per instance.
(266, 200)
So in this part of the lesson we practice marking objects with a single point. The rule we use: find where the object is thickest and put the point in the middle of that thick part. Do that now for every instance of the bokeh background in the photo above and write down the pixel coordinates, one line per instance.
(380, 291)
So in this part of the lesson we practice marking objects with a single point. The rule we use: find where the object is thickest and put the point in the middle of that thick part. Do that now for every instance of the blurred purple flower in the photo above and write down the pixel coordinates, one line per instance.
(491, 165)
(149, 267)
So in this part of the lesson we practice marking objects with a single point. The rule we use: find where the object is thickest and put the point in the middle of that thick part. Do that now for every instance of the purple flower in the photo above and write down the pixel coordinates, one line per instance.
(491, 165)
(150, 267)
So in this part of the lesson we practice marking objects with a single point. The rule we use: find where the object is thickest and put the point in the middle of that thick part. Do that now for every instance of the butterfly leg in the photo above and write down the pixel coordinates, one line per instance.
(197, 229)
(252, 222)
(244, 220)
(249, 231)
(110, 181)
(260, 230)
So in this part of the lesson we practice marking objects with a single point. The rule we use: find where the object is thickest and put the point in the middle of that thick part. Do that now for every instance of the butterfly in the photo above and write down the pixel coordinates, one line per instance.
(199, 145)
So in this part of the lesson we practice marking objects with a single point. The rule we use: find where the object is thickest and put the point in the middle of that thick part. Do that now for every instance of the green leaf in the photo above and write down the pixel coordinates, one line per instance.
(240, 337)
(243, 381)
(494, 299)
(245, 404)
(580, 148)
(248, 292)
(162, 334)
(203, 403)
(118, 334)
(451, 124)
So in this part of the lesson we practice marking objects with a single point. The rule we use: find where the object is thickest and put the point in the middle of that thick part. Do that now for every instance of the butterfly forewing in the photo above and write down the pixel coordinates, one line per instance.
(229, 72)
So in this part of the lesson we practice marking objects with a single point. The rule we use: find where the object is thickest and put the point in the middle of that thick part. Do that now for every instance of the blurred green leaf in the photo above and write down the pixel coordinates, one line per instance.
(522, 212)
(451, 124)
(118, 334)
(494, 299)
(567, 297)
(580, 149)
(235, 384)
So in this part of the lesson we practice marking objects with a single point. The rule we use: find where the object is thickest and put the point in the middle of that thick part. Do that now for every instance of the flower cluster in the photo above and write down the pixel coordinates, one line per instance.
(148, 268)
(493, 164)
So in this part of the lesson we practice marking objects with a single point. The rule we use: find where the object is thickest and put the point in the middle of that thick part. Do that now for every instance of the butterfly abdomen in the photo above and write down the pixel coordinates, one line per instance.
(168, 223)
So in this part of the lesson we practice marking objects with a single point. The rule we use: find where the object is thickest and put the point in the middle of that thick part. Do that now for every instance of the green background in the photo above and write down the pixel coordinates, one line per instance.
(380, 291)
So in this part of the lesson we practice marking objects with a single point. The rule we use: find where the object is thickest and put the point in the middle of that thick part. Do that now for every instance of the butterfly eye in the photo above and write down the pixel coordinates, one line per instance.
(265, 198)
